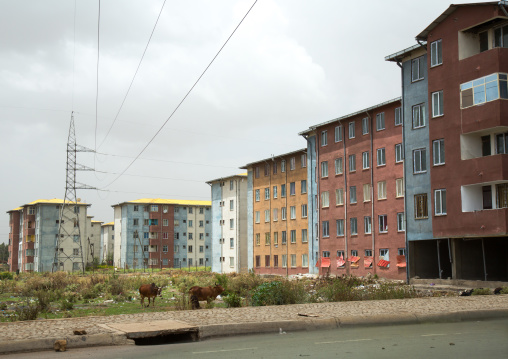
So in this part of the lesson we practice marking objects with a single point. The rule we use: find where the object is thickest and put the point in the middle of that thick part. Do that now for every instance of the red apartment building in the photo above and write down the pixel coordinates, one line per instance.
(14, 218)
(359, 182)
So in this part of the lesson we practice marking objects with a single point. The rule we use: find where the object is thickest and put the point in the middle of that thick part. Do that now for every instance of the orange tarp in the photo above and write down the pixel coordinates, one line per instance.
(353, 259)
(383, 263)
(401, 261)
(367, 261)
(325, 262)
(340, 262)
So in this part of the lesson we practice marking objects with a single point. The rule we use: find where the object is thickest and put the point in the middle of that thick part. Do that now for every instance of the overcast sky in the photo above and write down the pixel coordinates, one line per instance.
(291, 64)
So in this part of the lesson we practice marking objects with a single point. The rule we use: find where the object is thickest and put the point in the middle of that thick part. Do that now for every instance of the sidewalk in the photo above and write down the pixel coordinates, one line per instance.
(205, 323)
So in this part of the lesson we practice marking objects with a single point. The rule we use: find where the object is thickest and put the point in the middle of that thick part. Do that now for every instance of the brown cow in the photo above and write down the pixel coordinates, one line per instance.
(149, 291)
(204, 293)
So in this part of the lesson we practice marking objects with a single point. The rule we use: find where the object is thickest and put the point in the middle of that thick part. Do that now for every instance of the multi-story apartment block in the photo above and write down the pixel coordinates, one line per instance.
(229, 224)
(34, 236)
(357, 192)
(162, 233)
(277, 209)
(107, 243)
(456, 185)
(93, 240)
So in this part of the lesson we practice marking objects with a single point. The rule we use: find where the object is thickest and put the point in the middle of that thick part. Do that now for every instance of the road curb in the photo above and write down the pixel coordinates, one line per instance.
(29, 345)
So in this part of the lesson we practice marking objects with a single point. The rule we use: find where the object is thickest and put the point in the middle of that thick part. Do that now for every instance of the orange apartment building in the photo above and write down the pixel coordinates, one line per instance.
(278, 214)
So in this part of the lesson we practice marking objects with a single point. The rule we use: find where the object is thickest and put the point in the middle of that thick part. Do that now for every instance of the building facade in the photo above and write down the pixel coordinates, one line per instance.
(457, 193)
(107, 243)
(357, 185)
(162, 233)
(229, 224)
(37, 232)
(278, 227)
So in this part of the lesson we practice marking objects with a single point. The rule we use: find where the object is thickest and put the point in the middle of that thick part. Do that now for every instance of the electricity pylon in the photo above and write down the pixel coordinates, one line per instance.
(68, 246)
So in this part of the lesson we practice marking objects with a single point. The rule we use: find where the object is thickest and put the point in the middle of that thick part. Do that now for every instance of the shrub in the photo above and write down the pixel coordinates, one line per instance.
(233, 300)
(481, 291)
(65, 304)
(30, 311)
(279, 293)
(182, 302)
(6, 275)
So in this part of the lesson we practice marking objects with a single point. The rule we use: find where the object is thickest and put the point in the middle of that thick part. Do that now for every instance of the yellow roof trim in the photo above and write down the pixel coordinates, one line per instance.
(109, 224)
(169, 201)
(52, 201)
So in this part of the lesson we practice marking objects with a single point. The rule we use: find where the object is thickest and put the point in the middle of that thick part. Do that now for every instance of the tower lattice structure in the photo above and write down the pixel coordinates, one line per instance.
(69, 243)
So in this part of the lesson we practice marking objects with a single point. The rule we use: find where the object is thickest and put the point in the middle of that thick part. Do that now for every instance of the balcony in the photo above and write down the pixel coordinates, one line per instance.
(154, 241)
(480, 223)
(477, 170)
(485, 116)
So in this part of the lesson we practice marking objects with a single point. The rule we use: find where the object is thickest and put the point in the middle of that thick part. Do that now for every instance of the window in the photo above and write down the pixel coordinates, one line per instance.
(275, 214)
(177, 248)
(201, 236)
(324, 169)
(189, 249)
(421, 210)
(258, 217)
(401, 226)
(338, 133)
(274, 167)
(326, 229)
(258, 195)
(292, 212)
(135, 222)
(484, 89)
(501, 36)
(352, 163)
(258, 239)
(365, 126)
(304, 235)
(292, 188)
(292, 163)
(383, 223)
(267, 193)
(417, 69)
(303, 160)
(324, 138)
(502, 195)
(340, 227)
(191, 235)
(340, 254)
(367, 221)
(398, 116)
(419, 116)
(440, 202)
(352, 194)
(258, 261)
(267, 169)
(420, 160)
(231, 187)
(381, 190)
(501, 143)
(305, 260)
(399, 154)
(303, 186)
(267, 238)
(384, 254)
(146, 222)
(154, 222)
(380, 121)
(276, 238)
(325, 199)
(436, 53)
(154, 208)
(136, 208)
(366, 192)
(283, 212)
(165, 235)
(293, 235)
(354, 226)
(165, 222)
(381, 158)
(284, 261)
(365, 160)
(267, 260)
(437, 104)
(352, 129)
(75, 251)
(293, 260)
(283, 166)
(283, 237)
(399, 187)
(283, 190)
(231, 261)
(368, 253)
(304, 211)
(274, 192)
(165, 248)
(438, 152)
(486, 151)
(267, 215)
(191, 223)
(338, 166)
(231, 208)
(231, 223)
(339, 197)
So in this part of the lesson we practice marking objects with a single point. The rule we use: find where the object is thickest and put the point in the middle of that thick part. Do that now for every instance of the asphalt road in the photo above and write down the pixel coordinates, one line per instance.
(484, 339)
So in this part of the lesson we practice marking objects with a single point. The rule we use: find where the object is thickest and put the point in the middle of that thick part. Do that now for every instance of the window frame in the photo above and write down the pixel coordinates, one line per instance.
(418, 121)
(399, 153)
(380, 121)
(324, 138)
(381, 157)
(439, 143)
(440, 206)
(352, 195)
(367, 224)
(338, 133)
(365, 160)
(421, 210)
(398, 116)
(365, 126)
(437, 99)
(436, 53)
(383, 223)
(339, 166)
(420, 153)
(420, 75)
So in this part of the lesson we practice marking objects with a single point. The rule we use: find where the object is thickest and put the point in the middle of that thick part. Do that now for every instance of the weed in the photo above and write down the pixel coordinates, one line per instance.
(6, 275)
(233, 300)
(279, 293)
(481, 291)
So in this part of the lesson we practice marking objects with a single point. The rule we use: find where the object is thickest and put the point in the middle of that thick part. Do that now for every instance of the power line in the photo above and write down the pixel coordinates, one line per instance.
(158, 195)
(137, 69)
(159, 160)
(154, 177)
(186, 95)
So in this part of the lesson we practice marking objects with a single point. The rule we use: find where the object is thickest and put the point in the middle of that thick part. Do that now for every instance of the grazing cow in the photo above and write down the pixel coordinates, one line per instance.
(149, 291)
(204, 293)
